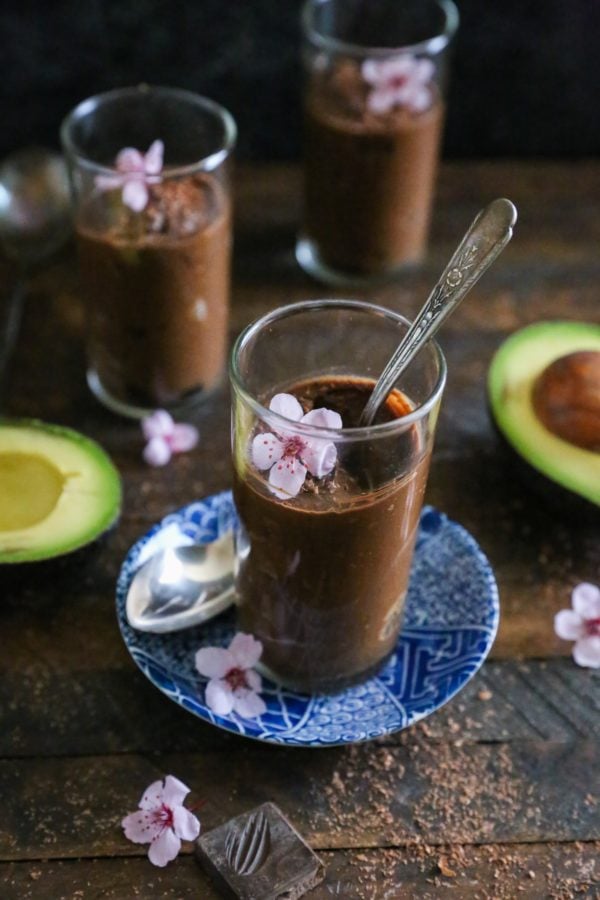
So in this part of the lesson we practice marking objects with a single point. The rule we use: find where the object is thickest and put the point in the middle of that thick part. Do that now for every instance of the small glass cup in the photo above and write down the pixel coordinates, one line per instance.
(374, 112)
(154, 243)
(322, 565)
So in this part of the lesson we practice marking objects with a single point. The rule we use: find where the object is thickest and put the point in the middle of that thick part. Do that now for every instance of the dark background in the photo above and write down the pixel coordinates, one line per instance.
(525, 77)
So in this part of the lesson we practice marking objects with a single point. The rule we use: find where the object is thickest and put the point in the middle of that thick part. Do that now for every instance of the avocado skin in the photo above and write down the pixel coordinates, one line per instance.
(68, 569)
(554, 496)
(562, 474)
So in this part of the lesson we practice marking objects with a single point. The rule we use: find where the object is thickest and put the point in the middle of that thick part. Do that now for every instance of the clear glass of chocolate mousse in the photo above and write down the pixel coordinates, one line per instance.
(149, 170)
(328, 511)
(373, 119)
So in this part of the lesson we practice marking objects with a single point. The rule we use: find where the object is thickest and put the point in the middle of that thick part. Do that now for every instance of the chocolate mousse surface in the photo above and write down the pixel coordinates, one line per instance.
(157, 285)
(369, 178)
(322, 576)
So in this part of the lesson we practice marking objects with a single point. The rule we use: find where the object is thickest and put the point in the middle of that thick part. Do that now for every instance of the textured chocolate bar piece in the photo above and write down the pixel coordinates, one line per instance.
(259, 856)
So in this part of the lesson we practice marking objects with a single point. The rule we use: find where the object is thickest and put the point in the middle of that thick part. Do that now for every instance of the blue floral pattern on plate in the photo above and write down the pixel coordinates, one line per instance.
(450, 623)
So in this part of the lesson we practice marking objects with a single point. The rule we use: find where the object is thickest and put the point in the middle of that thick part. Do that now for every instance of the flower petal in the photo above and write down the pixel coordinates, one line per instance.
(253, 680)
(266, 450)
(287, 477)
(152, 796)
(246, 650)
(586, 600)
(164, 848)
(140, 827)
(286, 405)
(568, 625)
(159, 424)
(108, 182)
(157, 452)
(424, 70)
(370, 71)
(322, 418)
(183, 438)
(130, 160)
(248, 705)
(214, 662)
(420, 100)
(175, 792)
(219, 697)
(185, 824)
(135, 194)
(586, 652)
(397, 68)
(381, 100)
(320, 457)
(153, 160)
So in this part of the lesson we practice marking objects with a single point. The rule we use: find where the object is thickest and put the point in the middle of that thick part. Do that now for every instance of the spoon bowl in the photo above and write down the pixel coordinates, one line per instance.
(182, 586)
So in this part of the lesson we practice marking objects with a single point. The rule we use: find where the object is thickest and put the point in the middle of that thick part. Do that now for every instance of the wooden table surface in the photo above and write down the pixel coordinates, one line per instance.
(496, 795)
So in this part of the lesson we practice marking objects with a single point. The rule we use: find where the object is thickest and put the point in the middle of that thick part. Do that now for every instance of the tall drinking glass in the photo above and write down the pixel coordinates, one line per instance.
(328, 511)
(374, 111)
(151, 196)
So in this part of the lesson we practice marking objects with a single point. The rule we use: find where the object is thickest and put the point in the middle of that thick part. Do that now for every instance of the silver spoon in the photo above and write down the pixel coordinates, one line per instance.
(182, 586)
(489, 233)
(34, 223)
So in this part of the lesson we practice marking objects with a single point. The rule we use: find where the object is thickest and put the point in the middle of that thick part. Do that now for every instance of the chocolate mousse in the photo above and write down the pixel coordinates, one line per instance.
(322, 576)
(157, 285)
(369, 177)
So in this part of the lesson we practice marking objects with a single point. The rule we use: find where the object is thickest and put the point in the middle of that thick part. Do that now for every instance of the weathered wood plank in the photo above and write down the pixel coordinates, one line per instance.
(116, 710)
(495, 872)
(365, 796)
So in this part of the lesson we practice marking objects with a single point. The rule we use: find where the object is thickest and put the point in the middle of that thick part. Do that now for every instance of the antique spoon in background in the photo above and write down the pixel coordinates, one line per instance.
(489, 233)
(34, 223)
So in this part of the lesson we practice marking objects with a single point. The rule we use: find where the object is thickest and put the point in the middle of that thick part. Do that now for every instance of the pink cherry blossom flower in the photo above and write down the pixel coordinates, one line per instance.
(582, 625)
(135, 171)
(162, 821)
(233, 685)
(400, 81)
(165, 437)
(289, 456)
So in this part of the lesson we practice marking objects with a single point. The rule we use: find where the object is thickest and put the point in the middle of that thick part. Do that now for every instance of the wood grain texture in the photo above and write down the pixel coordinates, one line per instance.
(116, 710)
(365, 796)
(501, 872)
(509, 765)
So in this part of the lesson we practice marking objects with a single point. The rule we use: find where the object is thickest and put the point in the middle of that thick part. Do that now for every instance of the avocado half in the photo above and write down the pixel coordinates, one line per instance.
(58, 491)
(525, 364)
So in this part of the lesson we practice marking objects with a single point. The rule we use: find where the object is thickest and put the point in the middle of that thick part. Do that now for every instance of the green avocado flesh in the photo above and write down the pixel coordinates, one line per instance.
(58, 491)
(513, 372)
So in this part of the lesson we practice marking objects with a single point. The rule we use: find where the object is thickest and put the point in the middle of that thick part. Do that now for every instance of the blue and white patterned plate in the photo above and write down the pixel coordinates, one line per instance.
(450, 623)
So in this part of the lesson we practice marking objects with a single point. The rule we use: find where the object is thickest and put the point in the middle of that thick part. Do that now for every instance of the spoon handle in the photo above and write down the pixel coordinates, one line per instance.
(489, 233)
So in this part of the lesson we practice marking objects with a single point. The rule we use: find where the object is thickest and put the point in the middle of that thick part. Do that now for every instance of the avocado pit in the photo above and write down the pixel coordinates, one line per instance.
(566, 398)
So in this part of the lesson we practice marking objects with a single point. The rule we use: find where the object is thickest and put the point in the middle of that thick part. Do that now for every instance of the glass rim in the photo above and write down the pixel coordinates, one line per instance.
(90, 104)
(431, 46)
(345, 435)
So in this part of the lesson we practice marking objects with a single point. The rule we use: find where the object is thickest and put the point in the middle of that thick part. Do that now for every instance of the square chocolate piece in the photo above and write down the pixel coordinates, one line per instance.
(259, 856)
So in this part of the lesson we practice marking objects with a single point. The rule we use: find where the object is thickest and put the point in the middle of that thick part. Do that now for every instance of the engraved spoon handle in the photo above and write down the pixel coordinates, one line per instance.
(489, 233)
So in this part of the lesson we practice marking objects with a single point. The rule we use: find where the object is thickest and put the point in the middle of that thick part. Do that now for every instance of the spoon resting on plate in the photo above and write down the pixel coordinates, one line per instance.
(182, 586)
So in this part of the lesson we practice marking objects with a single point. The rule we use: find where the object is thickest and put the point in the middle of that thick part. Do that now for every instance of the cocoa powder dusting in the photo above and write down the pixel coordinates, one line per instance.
(467, 795)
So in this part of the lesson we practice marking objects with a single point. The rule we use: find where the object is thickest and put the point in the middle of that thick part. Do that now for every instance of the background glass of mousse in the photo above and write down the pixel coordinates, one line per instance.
(321, 576)
(155, 281)
(374, 112)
